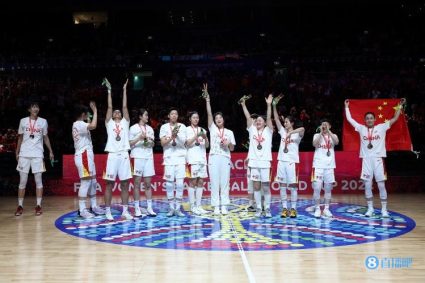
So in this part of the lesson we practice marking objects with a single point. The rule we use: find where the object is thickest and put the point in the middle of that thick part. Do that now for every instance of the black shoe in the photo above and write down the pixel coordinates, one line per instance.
(251, 209)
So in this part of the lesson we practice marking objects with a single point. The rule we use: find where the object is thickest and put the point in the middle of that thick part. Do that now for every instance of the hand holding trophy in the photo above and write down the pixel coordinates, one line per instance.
(276, 99)
(106, 83)
(244, 98)
(205, 94)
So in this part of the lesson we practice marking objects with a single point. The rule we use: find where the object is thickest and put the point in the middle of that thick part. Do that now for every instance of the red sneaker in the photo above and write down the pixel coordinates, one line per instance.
(19, 211)
(38, 210)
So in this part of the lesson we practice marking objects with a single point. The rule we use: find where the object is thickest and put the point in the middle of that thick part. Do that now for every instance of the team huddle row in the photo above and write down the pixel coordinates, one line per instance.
(184, 156)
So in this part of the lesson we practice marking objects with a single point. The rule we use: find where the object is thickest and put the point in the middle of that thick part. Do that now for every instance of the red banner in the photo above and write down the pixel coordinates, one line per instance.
(398, 137)
(347, 174)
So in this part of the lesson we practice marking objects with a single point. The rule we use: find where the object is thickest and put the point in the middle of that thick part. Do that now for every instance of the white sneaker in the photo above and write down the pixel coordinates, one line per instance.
(268, 213)
(144, 211)
(385, 213)
(217, 210)
(137, 212)
(310, 209)
(195, 211)
(201, 210)
(258, 212)
(150, 212)
(178, 213)
(369, 213)
(86, 214)
(224, 210)
(170, 212)
(98, 210)
(317, 212)
(127, 215)
(327, 213)
(108, 216)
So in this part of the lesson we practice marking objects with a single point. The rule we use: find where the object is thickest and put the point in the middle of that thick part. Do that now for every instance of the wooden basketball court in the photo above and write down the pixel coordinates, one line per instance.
(34, 250)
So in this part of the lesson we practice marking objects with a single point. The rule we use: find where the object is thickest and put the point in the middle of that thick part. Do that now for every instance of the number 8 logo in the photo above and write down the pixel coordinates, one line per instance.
(372, 262)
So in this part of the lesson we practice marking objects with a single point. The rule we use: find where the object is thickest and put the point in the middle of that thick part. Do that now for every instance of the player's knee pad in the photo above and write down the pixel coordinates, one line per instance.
(317, 187)
(283, 193)
(92, 187)
(328, 190)
(23, 179)
(382, 190)
(38, 180)
(179, 188)
(84, 188)
(266, 188)
(368, 189)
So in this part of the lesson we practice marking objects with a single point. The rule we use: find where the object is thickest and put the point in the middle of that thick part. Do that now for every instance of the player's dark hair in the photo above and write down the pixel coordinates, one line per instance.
(80, 110)
(371, 113)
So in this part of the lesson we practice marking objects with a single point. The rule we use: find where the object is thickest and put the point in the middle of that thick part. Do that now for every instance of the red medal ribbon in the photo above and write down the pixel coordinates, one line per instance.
(117, 129)
(32, 127)
(196, 133)
(369, 135)
(221, 135)
(259, 138)
(327, 141)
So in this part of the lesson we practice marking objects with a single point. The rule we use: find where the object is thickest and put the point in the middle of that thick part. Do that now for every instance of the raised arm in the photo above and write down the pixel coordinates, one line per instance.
(247, 114)
(269, 101)
(397, 112)
(109, 111)
(299, 130)
(93, 123)
(125, 113)
(348, 115)
(276, 118)
(208, 103)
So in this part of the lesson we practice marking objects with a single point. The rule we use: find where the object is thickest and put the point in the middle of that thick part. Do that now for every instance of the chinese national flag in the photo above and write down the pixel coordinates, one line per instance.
(398, 137)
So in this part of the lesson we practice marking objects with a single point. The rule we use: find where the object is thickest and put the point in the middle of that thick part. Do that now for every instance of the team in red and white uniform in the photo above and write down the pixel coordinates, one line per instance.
(84, 161)
(32, 133)
(372, 153)
(117, 147)
(142, 140)
(219, 163)
(260, 156)
(323, 175)
(288, 160)
(196, 157)
(173, 140)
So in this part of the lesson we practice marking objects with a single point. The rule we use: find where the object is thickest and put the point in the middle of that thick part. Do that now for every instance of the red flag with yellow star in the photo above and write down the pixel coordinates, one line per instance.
(398, 137)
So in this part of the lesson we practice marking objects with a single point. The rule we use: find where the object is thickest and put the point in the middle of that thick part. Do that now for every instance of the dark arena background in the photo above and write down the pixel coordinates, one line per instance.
(316, 53)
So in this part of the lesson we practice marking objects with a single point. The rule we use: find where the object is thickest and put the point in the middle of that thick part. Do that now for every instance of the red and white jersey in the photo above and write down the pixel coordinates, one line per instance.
(32, 132)
(321, 158)
(196, 154)
(117, 136)
(260, 144)
(216, 136)
(292, 145)
(81, 136)
(375, 136)
(174, 155)
(139, 150)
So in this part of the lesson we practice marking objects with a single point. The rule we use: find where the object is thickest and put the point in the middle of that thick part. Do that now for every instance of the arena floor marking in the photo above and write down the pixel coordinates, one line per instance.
(240, 230)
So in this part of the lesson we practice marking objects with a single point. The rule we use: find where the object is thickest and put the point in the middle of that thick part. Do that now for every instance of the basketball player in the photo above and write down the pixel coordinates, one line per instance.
(260, 155)
(288, 160)
(196, 158)
(323, 176)
(142, 140)
(372, 153)
(32, 133)
(173, 139)
(117, 146)
(222, 143)
(84, 161)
